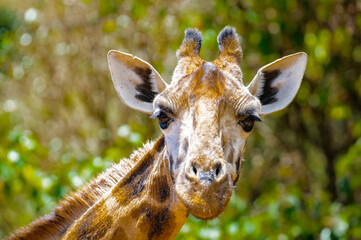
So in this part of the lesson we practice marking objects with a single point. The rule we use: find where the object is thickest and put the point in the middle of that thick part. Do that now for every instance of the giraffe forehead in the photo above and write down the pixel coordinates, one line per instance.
(208, 81)
(211, 83)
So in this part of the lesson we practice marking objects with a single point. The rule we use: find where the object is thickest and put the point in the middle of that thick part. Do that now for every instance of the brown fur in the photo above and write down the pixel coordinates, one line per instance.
(142, 202)
(55, 224)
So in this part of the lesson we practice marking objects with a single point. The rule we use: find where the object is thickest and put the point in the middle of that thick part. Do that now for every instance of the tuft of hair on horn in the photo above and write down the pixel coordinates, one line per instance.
(228, 44)
(191, 44)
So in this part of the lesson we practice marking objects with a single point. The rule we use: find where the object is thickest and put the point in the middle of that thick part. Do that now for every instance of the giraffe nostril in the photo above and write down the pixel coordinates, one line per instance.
(206, 174)
(194, 169)
(218, 170)
(191, 172)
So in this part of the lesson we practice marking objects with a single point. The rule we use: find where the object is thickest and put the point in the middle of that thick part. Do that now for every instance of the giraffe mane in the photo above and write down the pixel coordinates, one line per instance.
(55, 224)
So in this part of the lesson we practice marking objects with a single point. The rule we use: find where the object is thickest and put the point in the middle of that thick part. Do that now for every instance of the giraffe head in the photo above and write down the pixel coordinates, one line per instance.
(206, 113)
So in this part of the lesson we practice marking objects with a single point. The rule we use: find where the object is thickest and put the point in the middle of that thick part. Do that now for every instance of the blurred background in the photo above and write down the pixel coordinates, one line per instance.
(61, 122)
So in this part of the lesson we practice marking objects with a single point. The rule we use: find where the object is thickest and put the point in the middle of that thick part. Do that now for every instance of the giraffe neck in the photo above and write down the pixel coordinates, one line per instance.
(143, 205)
(112, 185)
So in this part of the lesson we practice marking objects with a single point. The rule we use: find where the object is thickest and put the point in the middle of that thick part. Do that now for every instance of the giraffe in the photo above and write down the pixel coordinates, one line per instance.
(205, 114)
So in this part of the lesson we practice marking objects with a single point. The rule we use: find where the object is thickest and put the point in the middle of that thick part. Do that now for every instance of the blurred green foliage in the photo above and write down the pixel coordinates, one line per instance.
(61, 122)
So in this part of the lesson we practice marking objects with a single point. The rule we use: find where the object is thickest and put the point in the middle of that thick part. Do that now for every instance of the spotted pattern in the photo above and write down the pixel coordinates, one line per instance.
(95, 226)
(154, 222)
(133, 184)
(161, 189)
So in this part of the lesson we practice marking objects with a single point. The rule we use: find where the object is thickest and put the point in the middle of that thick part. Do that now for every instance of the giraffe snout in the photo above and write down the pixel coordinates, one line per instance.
(205, 187)
(212, 173)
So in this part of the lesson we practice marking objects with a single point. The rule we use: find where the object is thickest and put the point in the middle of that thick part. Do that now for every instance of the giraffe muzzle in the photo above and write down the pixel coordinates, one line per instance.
(213, 173)
(204, 189)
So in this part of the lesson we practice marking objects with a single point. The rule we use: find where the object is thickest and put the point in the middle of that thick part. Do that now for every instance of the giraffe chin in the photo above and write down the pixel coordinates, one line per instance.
(202, 202)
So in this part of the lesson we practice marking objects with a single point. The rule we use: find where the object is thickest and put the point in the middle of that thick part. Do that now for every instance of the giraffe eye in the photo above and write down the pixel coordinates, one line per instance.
(247, 123)
(164, 119)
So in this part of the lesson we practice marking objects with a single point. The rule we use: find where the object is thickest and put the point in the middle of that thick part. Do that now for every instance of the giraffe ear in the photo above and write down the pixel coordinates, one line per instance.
(136, 81)
(277, 83)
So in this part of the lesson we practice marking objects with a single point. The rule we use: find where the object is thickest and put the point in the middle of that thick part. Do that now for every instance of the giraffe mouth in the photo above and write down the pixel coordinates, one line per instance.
(204, 201)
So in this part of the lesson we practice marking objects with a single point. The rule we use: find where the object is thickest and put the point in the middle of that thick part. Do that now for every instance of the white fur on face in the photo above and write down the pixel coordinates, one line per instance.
(204, 139)
(216, 134)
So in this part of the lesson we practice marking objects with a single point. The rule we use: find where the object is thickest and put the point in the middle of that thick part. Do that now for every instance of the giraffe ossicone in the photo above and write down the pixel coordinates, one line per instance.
(205, 114)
